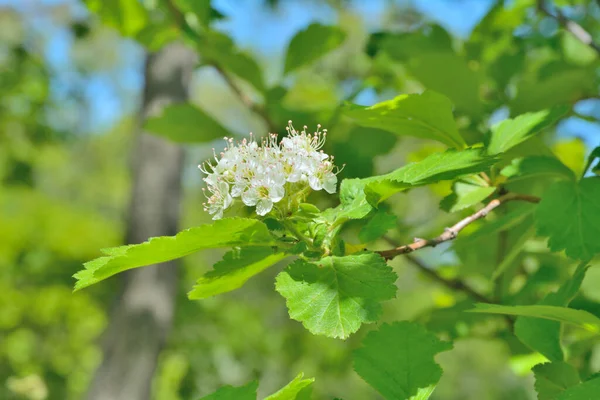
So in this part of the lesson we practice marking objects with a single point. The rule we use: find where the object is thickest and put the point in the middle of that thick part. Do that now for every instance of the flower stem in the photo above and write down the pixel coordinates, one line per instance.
(294, 231)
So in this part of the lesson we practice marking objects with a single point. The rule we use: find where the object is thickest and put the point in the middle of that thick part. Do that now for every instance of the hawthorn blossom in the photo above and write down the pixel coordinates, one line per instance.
(262, 175)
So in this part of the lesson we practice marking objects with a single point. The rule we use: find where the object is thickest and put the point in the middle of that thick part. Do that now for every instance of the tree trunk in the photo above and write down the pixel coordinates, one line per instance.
(144, 313)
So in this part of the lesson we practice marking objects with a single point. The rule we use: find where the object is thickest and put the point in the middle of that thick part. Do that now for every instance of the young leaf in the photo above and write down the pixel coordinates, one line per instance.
(234, 270)
(509, 133)
(580, 318)
(423, 393)
(185, 123)
(377, 226)
(353, 201)
(335, 295)
(226, 232)
(437, 167)
(312, 43)
(551, 379)
(246, 392)
(292, 389)
(464, 195)
(398, 359)
(536, 167)
(427, 116)
(569, 214)
(544, 335)
(571, 152)
(587, 390)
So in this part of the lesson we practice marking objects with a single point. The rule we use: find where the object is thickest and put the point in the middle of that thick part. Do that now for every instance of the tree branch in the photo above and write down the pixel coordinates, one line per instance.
(571, 26)
(245, 99)
(452, 232)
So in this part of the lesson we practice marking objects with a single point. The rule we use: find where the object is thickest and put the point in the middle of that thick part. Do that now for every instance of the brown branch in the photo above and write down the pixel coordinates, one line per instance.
(245, 99)
(452, 232)
(571, 26)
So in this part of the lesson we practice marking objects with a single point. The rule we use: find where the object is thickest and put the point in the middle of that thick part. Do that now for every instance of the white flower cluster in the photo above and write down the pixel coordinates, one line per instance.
(263, 174)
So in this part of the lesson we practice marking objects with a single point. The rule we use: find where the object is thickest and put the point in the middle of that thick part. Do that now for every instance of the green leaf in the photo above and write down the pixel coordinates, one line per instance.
(509, 133)
(575, 51)
(515, 249)
(504, 222)
(335, 295)
(580, 318)
(201, 9)
(218, 48)
(185, 123)
(226, 232)
(292, 389)
(476, 250)
(128, 17)
(424, 393)
(398, 359)
(427, 116)
(156, 35)
(563, 86)
(246, 392)
(312, 43)
(569, 214)
(543, 335)
(381, 222)
(584, 391)
(358, 150)
(353, 201)
(437, 167)
(312, 93)
(402, 46)
(456, 80)
(421, 53)
(571, 152)
(234, 270)
(537, 167)
(593, 155)
(551, 379)
(465, 194)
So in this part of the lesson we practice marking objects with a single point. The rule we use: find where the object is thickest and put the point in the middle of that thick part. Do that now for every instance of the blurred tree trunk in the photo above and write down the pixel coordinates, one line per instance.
(144, 313)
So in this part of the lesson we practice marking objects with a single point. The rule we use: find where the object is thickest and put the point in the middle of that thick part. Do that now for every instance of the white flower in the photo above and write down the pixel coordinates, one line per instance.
(261, 175)
(219, 200)
(262, 194)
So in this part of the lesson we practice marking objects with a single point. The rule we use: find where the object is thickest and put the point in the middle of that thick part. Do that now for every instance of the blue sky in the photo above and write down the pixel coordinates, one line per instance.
(114, 92)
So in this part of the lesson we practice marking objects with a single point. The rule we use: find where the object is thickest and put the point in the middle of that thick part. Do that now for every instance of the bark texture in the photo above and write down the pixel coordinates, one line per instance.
(143, 314)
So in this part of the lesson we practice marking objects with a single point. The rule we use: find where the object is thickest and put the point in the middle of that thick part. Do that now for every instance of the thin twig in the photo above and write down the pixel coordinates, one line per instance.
(457, 285)
(452, 232)
(453, 284)
(245, 99)
(486, 178)
(502, 247)
(571, 26)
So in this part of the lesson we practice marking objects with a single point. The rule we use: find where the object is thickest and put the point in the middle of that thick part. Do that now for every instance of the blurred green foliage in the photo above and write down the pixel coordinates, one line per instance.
(64, 191)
